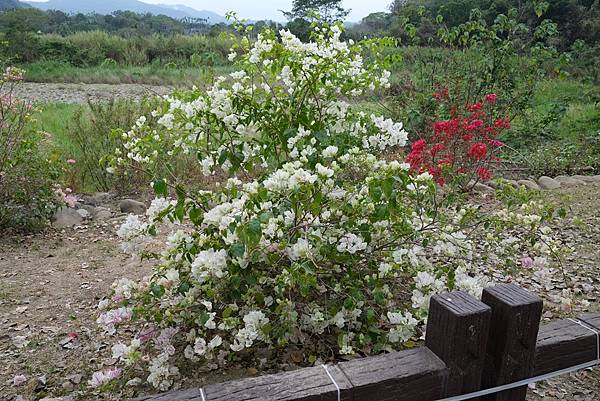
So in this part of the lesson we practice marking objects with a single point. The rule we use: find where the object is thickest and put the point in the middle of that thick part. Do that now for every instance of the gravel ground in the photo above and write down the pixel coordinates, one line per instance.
(50, 284)
(80, 93)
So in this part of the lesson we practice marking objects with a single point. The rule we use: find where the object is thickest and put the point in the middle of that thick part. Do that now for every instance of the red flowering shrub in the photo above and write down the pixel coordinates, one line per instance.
(463, 148)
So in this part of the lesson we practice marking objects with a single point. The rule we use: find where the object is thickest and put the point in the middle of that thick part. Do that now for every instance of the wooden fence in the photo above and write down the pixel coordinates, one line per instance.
(470, 345)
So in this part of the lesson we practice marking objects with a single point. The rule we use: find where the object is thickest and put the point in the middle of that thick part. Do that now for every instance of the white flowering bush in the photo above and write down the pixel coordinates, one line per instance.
(320, 236)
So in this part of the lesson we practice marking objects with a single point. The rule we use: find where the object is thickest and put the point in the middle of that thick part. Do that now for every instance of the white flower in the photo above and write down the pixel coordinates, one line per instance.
(351, 243)
(301, 249)
(404, 326)
(210, 263)
(330, 151)
(200, 346)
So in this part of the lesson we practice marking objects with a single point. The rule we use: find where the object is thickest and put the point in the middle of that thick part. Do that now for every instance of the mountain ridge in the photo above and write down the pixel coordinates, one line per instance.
(11, 4)
(109, 6)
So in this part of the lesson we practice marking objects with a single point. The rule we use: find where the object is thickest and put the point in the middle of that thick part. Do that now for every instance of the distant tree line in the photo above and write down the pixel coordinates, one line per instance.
(122, 23)
(576, 19)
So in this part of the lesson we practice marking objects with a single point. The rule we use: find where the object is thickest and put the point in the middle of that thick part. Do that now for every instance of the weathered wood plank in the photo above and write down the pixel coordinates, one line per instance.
(457, 330)
(515, 323)
(415, 375)
(181, 395)
(563, 344)
(412, 375)
(308, 384)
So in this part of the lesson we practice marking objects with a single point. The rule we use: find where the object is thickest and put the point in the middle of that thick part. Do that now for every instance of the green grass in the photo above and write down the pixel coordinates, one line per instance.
(120, 74)
(54, 119)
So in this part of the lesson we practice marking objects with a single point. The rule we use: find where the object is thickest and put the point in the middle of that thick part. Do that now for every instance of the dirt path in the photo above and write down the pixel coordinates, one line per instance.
(51, 283)
(80, 93)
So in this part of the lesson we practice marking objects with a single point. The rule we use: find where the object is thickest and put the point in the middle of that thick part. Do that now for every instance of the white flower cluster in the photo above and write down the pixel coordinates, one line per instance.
(314, 236)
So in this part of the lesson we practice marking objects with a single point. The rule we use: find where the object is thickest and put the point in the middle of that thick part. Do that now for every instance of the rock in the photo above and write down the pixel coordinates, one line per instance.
(513, 183)
(482, 188)
(76, 378)
(587, 178)
(83, 213)
(569, 181)
(132, 206)
(102, 214)
(66, 217)
(136, 381)
(528, 184)
(548, 183)
(91, 210)
(99, 198)
(68, 386)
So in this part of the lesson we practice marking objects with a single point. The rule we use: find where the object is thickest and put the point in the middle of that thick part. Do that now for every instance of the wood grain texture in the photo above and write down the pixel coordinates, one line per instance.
(181, 395)
(412, 375)
(307, 384)
(563, 344)
(515, 323)
(457, 330)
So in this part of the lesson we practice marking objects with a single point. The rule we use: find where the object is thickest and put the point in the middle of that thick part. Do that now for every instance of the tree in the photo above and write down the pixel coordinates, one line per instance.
(329, 10)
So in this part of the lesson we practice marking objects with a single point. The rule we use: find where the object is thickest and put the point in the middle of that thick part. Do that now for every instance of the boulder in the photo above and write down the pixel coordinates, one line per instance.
(567, 181)
(548, 183)
(528, 184)
(588, 178)
(99, 198)
(514, 183)
(102, 214)
(83, 213)
(132, 206)
(66, 217)
(91, 210)
(483, 189)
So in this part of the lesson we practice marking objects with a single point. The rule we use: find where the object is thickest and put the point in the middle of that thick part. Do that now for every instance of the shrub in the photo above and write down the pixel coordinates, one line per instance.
(463, 147)
(27, 177)
(91, 134)
(479, 58)
(314, 238)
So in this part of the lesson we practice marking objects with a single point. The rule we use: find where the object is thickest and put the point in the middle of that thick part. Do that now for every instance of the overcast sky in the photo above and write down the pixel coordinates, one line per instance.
(269, 9)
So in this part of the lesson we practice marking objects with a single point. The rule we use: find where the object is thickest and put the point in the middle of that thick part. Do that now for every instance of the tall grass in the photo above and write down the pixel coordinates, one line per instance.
(87, 49)
(154, 74)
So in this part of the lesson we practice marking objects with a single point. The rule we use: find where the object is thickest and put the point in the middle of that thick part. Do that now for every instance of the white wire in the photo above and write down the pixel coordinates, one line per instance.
(590, 328)
(202, 394)
(535, 379)
(339, 395)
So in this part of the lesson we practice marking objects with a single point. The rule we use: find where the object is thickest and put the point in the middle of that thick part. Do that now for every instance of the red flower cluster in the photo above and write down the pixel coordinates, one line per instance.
(463, 146)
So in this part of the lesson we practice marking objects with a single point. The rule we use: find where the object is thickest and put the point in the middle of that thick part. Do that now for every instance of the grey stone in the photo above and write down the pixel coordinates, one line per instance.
(83, 213)
(482, 188)
(102, 213)
(514, 183)
(99, 198)
(528, 184)
(66, 217)
(588, 178)
(132, 206)
(569, 181)
(548, 183)
(91, 210)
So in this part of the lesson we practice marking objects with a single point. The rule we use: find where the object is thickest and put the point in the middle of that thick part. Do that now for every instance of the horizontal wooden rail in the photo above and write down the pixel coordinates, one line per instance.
(421, 374)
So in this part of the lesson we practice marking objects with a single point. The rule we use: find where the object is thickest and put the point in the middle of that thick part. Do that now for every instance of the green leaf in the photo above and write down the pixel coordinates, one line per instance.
(160, 188)
(237, 250)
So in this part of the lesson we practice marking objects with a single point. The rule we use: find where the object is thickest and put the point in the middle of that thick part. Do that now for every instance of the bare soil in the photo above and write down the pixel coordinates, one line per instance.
(50, 284)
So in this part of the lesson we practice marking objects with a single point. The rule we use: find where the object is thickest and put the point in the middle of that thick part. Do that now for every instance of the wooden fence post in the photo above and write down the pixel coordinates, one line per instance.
(516, 315)
(457, 331)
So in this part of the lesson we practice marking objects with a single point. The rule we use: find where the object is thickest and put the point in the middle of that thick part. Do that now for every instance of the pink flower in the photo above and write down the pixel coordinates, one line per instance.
(101, 377)
(71, 200)
(71, 161)
(19, 380)
(526, 262)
